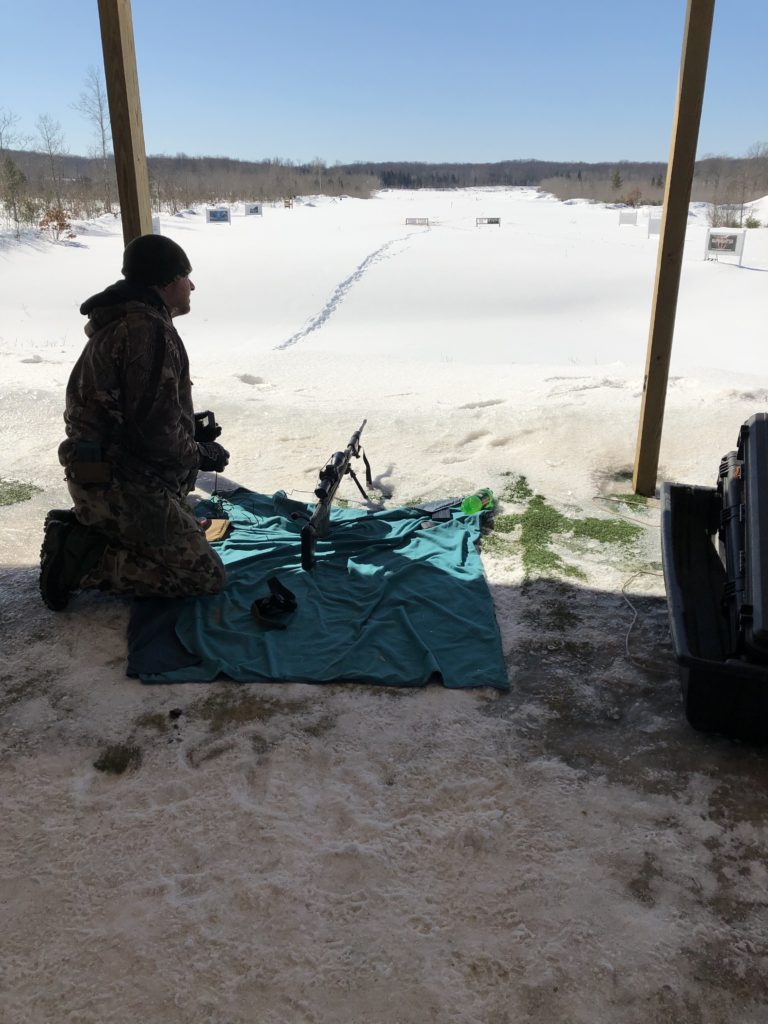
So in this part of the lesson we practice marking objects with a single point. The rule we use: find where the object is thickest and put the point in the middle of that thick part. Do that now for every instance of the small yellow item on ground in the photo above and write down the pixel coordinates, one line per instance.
(217, 530)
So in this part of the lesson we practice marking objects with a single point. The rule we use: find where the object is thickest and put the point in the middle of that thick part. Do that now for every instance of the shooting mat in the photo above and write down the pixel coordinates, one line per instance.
(394, 598)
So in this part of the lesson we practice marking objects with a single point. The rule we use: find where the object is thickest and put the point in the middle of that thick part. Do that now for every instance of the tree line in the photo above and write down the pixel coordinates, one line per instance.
(39, 186)
(43, 185)
(728, 183)
(411, 175)
(35, 182)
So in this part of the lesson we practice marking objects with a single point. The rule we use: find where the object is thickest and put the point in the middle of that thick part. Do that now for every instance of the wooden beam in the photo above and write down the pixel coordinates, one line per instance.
(677, 197)
(125, 116)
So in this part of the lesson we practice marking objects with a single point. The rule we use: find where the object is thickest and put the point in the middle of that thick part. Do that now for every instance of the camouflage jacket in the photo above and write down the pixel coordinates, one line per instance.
(130, 391)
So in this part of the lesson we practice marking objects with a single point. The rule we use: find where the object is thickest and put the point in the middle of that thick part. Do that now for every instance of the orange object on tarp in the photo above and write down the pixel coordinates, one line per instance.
(217, 529)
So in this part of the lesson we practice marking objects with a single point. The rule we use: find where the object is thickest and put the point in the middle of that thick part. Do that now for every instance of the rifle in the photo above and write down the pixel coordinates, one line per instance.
(331, 475)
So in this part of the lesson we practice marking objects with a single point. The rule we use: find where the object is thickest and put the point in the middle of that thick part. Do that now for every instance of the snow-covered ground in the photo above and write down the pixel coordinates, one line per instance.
(569, 851)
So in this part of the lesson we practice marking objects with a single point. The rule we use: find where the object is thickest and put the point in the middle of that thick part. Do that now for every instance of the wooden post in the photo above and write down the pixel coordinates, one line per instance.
(677, 197)
(125, 116)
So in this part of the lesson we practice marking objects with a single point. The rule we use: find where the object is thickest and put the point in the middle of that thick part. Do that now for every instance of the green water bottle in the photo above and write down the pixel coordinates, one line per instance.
(480, 501)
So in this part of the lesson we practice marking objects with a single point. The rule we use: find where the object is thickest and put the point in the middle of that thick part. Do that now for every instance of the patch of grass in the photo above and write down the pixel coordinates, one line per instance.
(578, 650)
(555, 615)
(540, 524)
(118, 758)
(233, 707)
(237, 707)
(634, 501)
(517, 490)
(606, 531)
(506, 523)
(493, 544)
(13, 491)
(153, 720)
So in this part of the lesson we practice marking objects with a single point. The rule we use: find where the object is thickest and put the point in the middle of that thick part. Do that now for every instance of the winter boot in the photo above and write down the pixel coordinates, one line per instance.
(69, 552)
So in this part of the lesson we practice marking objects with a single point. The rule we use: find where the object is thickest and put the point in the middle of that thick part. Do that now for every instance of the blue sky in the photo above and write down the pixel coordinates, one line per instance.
(432, 80)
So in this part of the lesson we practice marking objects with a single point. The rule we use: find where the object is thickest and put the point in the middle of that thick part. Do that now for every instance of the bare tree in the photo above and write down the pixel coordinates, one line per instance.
(93, 105)
(51, 139)
(757, 155)
(9, 137)
(12, 183)
(318, 166)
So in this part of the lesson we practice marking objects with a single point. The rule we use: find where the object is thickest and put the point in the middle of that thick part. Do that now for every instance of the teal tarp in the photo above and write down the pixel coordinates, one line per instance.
(393, 599)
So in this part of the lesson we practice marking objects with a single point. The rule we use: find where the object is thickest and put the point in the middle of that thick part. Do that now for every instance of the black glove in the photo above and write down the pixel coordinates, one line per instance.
(206, 427)
(213, 456)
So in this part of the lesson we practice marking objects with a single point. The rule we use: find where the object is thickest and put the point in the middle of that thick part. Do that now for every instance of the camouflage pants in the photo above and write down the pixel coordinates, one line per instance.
(155, 544)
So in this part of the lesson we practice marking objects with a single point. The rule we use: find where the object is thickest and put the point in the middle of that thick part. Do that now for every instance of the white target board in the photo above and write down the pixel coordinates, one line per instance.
(217, 215)
(724, 242)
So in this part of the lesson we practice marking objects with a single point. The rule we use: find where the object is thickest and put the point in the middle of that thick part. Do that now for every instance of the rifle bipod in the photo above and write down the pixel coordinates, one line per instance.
(367, 478)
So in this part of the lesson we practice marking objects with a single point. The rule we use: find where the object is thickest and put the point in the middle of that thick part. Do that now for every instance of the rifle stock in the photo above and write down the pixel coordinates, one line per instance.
(328, 482)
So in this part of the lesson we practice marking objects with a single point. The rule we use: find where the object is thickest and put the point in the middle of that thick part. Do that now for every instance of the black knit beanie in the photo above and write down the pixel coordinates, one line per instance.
(154, 259)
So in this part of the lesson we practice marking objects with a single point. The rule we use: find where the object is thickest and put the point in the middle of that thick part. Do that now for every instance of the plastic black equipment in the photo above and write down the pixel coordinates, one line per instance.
(331, 475)
(715, 554)
(268, 611)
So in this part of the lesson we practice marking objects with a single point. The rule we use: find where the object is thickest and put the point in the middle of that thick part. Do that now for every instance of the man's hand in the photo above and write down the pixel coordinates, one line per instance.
(206, 427)
(213, 456)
